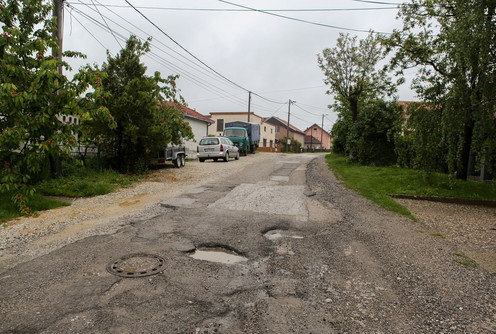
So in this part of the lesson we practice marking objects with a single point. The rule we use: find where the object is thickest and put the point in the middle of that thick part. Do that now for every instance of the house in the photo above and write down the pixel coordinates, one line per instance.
(199, 124)
(282, 129)
(267, 130)
(317, 138)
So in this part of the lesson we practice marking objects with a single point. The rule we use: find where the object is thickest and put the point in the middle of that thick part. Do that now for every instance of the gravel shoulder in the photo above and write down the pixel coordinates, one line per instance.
(26, 238)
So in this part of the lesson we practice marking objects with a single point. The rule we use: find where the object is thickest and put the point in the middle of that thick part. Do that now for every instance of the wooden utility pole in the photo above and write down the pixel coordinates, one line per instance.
(322, 134)
(249, 105)
(58, 12)
(287, 128)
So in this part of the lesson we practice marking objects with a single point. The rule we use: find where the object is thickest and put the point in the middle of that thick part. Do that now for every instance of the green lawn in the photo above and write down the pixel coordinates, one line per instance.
(82, 183)
(376, 183)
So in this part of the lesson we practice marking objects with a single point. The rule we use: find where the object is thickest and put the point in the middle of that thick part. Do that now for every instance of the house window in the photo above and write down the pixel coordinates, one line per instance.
(270, 130)
(271, 143)
(220, 125)
(265, 129)
(265, 142)
(278, 129)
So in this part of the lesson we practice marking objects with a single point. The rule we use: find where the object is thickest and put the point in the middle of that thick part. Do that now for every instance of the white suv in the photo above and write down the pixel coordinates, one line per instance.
(216, 148)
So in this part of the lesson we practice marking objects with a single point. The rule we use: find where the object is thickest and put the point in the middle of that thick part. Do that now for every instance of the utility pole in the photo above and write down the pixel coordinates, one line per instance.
(249, 106)
(322, 133)
(58, 12)
(287, 128)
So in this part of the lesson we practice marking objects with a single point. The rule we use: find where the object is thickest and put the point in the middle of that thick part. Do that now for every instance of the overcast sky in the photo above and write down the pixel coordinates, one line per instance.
(273, 57)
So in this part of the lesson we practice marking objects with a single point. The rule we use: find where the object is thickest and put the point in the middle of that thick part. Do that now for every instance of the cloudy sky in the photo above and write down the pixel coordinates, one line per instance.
(271, 56)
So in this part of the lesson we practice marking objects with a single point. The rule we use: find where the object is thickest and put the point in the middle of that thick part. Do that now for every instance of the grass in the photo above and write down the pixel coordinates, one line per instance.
(86, 183)
(8, 210)
(465, 261)
(80, 183)
(376, 183)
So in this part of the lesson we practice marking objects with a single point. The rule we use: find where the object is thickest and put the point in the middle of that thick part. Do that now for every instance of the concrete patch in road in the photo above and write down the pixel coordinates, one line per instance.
(279, 178)
(268, 199)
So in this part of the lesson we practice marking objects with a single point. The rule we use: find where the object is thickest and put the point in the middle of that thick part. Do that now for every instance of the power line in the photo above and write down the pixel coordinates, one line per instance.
(296, 105)
(300, 20)
(249, 10)
(192, 55)
(188, 76)
(168, 47)
(183, 48)
(106, 23)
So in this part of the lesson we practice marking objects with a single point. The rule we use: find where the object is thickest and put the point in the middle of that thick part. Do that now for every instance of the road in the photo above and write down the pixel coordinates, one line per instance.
(313, 257)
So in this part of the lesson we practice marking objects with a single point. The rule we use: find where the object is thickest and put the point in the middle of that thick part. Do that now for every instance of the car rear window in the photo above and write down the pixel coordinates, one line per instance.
(209, 141)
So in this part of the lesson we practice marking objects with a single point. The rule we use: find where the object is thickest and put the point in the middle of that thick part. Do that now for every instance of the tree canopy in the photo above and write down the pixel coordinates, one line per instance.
(135, 100)
(454, 43)
(34, 96)
(350, 70)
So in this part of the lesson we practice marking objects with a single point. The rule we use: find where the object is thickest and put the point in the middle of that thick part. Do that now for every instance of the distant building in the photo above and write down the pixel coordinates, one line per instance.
(199, 124)
(282, 129)
(267, 131)
(317, 138)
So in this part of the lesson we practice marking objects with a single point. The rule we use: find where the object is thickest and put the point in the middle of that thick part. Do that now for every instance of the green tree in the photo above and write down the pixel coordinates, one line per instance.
(34, 95)
(350, 71)
(135, 100)
(370, 139)
(454, 43)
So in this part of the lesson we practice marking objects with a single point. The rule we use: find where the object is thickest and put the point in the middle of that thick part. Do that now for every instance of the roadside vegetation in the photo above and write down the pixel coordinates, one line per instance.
(114, 111)
(439, 142)
(377, 183)
(77, 182)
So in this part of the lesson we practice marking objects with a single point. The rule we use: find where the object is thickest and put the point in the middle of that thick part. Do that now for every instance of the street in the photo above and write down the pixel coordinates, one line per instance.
(289, 250)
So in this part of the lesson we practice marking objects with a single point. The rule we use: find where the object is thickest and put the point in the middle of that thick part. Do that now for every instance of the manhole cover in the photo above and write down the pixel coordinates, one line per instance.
(137, 265)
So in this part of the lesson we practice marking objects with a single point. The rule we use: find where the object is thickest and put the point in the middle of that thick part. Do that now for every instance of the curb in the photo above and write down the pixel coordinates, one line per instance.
(454, 200)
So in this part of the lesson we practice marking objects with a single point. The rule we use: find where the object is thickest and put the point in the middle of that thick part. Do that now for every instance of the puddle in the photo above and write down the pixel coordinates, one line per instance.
(219, 255)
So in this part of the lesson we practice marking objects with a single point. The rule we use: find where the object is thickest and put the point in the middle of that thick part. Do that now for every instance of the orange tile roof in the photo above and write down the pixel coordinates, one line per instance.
(188, 112)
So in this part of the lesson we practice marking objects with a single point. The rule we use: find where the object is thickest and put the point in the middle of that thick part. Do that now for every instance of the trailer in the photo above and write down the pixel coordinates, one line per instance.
(176, 154)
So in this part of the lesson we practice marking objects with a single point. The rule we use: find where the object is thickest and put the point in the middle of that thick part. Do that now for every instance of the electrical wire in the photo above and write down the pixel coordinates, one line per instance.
(308, 112)
(301, 20)
(158, 48)
(249, 10)
(165, 63)
(106, 23)
(195, 57)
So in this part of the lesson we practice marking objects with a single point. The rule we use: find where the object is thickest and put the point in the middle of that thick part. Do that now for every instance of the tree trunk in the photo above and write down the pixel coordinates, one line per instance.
(468, 132)
(354, 109)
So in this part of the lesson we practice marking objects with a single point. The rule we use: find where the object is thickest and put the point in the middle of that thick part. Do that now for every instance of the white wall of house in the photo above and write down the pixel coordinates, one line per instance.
(267, 135)
(199, 130)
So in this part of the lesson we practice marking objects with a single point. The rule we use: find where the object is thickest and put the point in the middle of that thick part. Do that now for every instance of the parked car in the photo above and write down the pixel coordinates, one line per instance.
(217, 148)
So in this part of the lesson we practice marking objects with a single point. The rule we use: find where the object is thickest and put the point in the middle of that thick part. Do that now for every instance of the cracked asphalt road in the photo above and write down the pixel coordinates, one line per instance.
(321, 259)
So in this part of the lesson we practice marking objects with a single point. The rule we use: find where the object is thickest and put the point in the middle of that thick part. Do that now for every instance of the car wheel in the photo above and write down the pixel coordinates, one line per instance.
(226, 158)
(183, 160)
(177, 161)
(201, 159)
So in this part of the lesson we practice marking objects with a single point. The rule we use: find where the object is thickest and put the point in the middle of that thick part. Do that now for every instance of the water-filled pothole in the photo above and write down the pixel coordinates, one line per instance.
(217, 254)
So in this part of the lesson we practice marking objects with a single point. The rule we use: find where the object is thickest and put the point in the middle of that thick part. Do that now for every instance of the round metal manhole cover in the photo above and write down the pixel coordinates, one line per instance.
(137, 265)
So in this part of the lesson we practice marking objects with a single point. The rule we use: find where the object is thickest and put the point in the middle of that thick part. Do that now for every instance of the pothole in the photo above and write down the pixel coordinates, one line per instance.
(137, 265)
(217, 254)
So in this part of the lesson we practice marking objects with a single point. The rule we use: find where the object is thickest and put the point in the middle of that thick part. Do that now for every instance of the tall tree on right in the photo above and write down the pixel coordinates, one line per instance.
(350, 70)
(454, 44)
